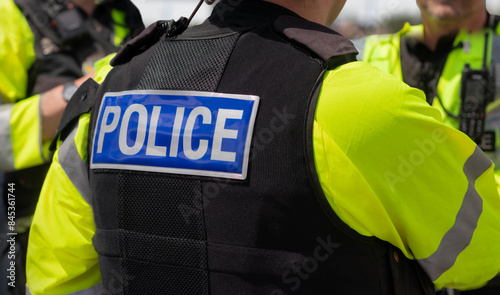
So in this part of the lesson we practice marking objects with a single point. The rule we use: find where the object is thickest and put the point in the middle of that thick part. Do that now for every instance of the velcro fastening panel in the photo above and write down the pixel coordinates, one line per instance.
(156, 206)
(152, 221)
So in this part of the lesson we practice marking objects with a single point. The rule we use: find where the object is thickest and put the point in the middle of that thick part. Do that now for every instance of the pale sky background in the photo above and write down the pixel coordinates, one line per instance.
(372, 11)
(363, 12)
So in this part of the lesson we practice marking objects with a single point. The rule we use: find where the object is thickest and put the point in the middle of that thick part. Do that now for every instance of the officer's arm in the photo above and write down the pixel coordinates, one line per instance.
(16, 57)
(61, 258)
(28, 126)
(20, 135)
(52, 106)
(391, 169)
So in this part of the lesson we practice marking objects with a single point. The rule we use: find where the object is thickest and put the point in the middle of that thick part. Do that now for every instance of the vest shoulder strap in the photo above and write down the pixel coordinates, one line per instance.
(81, 102)
(318, 39)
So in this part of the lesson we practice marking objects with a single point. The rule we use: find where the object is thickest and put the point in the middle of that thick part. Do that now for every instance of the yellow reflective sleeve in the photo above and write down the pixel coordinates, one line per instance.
(102, 68)
(28, 149)
(16, 52)
(477, 260)
(120, 26)
(61, 258)
(390, 168)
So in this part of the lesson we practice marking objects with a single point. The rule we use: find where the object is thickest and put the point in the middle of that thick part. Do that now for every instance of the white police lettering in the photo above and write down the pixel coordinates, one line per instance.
(195, 133)
(152, 149)
(108, 128)
(176, 132)
(141, 129)
(188, 133)
(221, 133)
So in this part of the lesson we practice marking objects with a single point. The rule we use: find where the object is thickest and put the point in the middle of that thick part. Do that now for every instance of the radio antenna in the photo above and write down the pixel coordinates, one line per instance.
(209, 2)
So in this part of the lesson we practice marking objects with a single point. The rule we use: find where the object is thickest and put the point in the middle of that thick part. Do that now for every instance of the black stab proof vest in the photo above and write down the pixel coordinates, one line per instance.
(272, 233)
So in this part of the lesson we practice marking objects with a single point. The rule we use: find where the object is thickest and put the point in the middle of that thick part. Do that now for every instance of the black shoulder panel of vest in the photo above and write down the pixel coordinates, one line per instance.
(81, 102)
(318, 39)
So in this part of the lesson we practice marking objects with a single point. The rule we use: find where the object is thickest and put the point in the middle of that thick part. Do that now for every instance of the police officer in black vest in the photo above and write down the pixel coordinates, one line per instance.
(252, 154)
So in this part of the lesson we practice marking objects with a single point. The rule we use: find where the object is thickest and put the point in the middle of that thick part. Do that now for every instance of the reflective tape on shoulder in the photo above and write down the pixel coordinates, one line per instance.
(181, 132)
(6, 150)
(75, 167)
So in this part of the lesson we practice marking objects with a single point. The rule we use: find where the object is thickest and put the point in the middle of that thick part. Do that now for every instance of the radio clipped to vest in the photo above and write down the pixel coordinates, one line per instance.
(58, 20)
(69, 23)
(478, 89)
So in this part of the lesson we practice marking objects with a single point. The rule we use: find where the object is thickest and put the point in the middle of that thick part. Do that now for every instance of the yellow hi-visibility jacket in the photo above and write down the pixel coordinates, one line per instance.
(21, 144)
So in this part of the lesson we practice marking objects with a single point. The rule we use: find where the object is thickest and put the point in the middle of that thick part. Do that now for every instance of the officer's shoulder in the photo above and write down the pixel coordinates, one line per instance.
(362, 76)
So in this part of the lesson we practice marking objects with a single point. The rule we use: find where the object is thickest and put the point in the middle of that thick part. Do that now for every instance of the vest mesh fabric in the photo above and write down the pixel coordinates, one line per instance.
(193, 64)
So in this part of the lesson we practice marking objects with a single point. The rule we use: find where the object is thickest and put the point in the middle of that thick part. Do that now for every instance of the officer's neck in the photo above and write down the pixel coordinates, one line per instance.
(435, 29)
(319, 11)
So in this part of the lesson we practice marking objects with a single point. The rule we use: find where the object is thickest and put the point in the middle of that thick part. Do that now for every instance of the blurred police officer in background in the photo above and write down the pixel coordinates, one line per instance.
(453, 57)
(253, 155)
(48, 49)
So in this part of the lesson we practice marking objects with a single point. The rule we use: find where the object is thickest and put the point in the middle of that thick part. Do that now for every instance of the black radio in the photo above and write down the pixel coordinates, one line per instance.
(477, 91)
(59, 20)
(68, 20)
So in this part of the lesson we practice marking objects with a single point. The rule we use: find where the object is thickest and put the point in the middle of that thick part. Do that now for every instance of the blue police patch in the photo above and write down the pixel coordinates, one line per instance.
(183, 132)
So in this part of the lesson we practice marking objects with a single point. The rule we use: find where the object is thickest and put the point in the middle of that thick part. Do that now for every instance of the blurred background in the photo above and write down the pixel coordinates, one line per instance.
(358, 18)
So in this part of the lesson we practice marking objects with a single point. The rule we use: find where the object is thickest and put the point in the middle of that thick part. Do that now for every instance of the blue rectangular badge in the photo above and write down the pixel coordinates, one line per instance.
(182, 132)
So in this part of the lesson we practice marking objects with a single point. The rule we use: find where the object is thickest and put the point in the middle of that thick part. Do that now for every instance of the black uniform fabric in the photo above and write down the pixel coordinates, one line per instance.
(160, 233)
(422, 67)
(60, 60)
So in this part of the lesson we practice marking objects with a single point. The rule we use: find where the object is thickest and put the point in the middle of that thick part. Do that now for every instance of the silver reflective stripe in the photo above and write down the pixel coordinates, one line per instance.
(75, 168)
(495, 59)
(40, 144)
(460, 235)
(97, 289)
(360, 46)
(6, 149)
